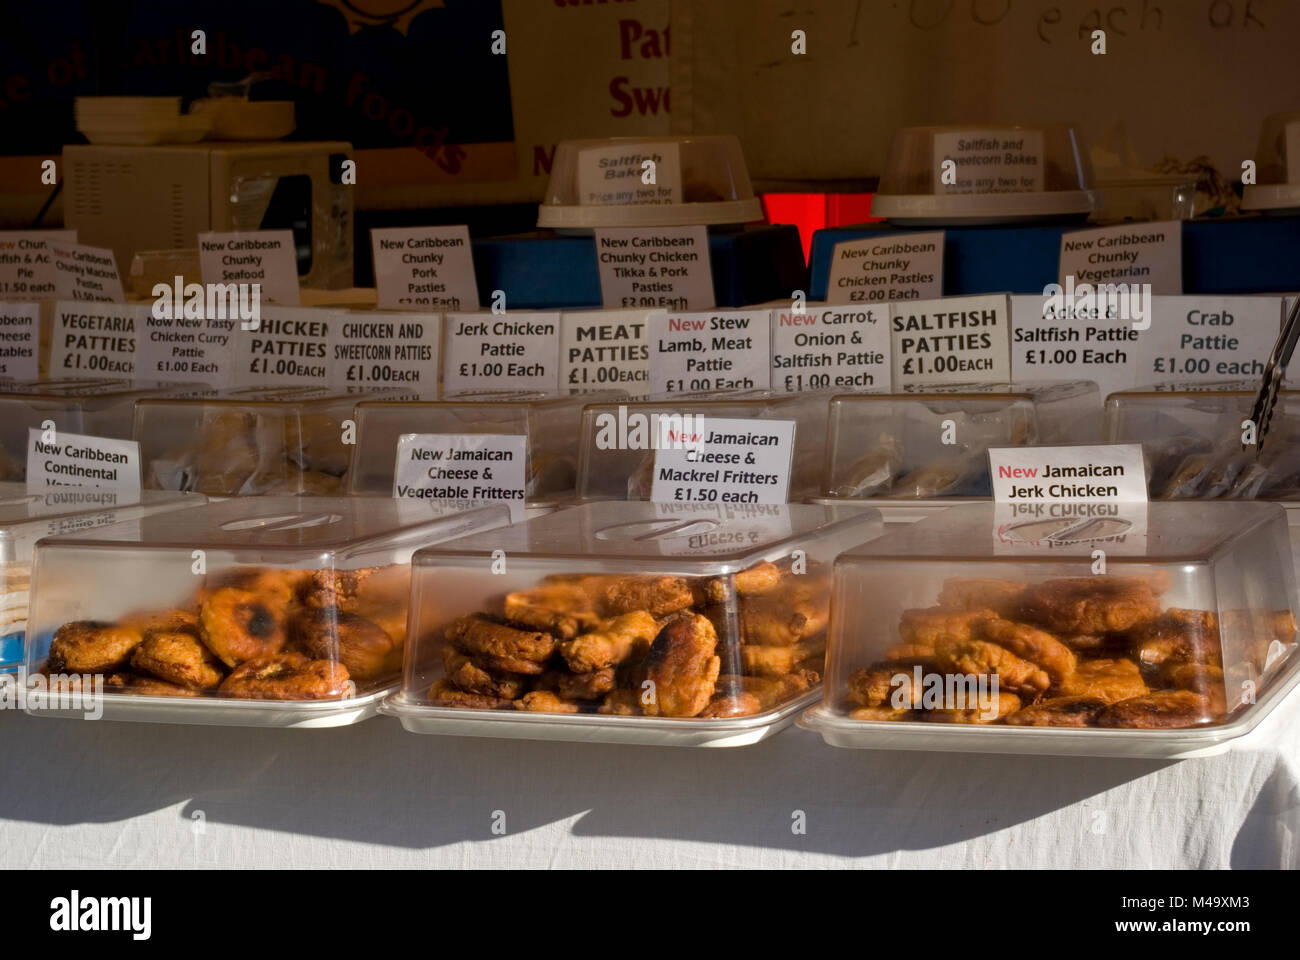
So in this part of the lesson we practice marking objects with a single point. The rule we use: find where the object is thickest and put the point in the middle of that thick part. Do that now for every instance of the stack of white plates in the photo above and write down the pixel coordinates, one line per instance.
(138, 121)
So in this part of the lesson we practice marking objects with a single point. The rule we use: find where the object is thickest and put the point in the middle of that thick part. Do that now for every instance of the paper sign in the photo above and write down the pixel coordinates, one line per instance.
(74, 460)
(26, 264)
(655, 268)
(290, 346)
(95, 339)
(1048, 343)
(951, 340)
(881, 269)
(264, 257)
(487, 351)
(387, 350)
(988, 161)
(821, 348)
(1143, 253)
(695, 352)
(1199, 339)
(617, 174)
(85, 273)
(20, 340)
(476, 466)
(186, 350)
(1081, 474)
(605, 350)
(424, 268)
(729, 460)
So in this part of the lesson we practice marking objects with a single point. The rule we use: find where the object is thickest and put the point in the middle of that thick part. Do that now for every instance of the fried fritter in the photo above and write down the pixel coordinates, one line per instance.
(91, 646)
(443, 694)
(683, 667)
(926, 627)
(571, 600)
(544, 701)
(1178, 636)
(467, 675)
(610, 642)
(178, 658)
(139, 686)
(335, 588)
(1015, 674)
(165, 621)
(622, 703)
(1162, 709)
(795, 611)
(747, 583)
(519, 611)
(477, 635)
(980, 593)
(658, 596)
(1075, 606)
(578, 686)
(1002, 704)
(883, 712)
(328, 633)
(239, 625)
(288, 676)
(778, 661)
(1029, 643)
(1076, 711)
(1108, 680)
(878, 686)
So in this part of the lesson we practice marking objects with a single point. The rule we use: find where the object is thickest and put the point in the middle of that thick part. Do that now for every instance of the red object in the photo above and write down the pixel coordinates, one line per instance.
(814, 211)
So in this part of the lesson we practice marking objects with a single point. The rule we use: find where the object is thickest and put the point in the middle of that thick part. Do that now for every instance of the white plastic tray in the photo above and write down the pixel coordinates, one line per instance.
(839, 731)
(596, 728)
(230, 712)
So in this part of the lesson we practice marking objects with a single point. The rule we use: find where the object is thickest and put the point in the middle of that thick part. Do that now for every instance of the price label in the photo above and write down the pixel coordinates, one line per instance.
(85, 273)
(726, 460)
(884, 268)
(1137, 253)
(263, 257)
(20, 340)
(988, 161)
(95, 339)
(291, 345)
(697, 352)
(59, 459)
(387, 350)
(486, 352)
(605, 350)
(26, 264)
(1197, 339)
(824, 348)
(1063, 342)
(424, 268)
(186, 350)
(655, 268)
(460, 467)
(951, 340)
(1079, 474)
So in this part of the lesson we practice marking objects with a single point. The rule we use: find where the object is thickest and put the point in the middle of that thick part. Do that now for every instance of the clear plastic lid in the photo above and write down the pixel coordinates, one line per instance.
(1188, 626)
(548, 422)
(253, 440)
(617, 456)
(629, 610)
(998, 173)
(269, 598)
(933, 442)
(602, 183)
(97, 408)
(1193, 440)
(1277, 165)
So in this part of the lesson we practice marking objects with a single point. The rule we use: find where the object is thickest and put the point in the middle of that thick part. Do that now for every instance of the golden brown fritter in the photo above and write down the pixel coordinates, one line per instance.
(278, 587)
(288, 676)
(1015, 674)
(683, 667)
(1001, 705)
(239, 625)
(622, 703)
(133, 683)
(926, 628)
(796, 610)
(1162, 709)
(658, 596)
(554, 622)
(544, 701)
(443, 694)
(579, 686)
(1178, 636)
(756, 580)
(464, 674)
(778, 661)
(573, 599)
(178, 658)
(327, 633)
(165, 621)
(1088, 605)
(877, 686)
(91, 646)
(738, 696)
(335, 588)
(477, 635)
(1108, 680)
(610, 642)
(1029, 643)
(980, 593)
(1077, 711)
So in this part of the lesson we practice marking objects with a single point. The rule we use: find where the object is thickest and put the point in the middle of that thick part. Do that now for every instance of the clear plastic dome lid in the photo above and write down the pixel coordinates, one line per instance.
(1277, 165)
(648, 181)
(985, 172)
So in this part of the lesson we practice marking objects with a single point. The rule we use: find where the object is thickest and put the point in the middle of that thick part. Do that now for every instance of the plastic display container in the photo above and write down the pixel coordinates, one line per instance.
(548, 422)
(1001, 173)
(933, 442)
(1277, 166)
(668, 624)
(947, 635)
(97, 408)
(624, 470)
(254, 440)
(25, 517)
(698, 180)
(1191, 438)
(275, 611)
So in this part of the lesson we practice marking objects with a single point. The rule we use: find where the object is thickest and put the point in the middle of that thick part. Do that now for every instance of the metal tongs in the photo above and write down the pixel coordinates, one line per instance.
(1262, 413)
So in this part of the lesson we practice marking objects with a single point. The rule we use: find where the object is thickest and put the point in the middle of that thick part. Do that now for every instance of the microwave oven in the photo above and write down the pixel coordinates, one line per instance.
(131, 198)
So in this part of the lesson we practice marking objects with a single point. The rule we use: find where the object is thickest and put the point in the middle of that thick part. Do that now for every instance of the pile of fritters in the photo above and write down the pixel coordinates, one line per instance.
(253, 633)
(1082, 651)
(643, 645)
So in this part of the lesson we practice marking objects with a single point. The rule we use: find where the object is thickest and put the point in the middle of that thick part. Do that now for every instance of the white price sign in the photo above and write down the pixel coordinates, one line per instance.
(726, 460)
(656, 268)
(489, 352)
(462, 467)
(951, 340)
(20, 337)
(263, 257)
(424, 268)
(605, 350)
(1138, 253)
(697, 352)
(822, 348)
(85, 273)
(1080, 474)
(59, 459)
(884, 268)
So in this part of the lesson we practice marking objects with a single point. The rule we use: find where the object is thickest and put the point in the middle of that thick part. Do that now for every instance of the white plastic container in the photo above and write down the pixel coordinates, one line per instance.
(1277, 166)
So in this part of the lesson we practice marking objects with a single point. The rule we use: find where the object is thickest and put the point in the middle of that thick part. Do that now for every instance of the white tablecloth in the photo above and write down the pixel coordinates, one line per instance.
(105, 794)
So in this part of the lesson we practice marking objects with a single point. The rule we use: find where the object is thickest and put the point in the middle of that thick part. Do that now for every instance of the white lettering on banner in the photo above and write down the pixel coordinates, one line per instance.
(880, 269)
(74, 460)
(95, 339)
(20, 336)
(664, 268)
(263, 257)
(488, 468)
(424, 268)
(1137, 253)
(27, 265)
(491, 352)
(726, 461)
(85, 273)
(822, 348)
(604, 350)
(951, 340)
(696, 352)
